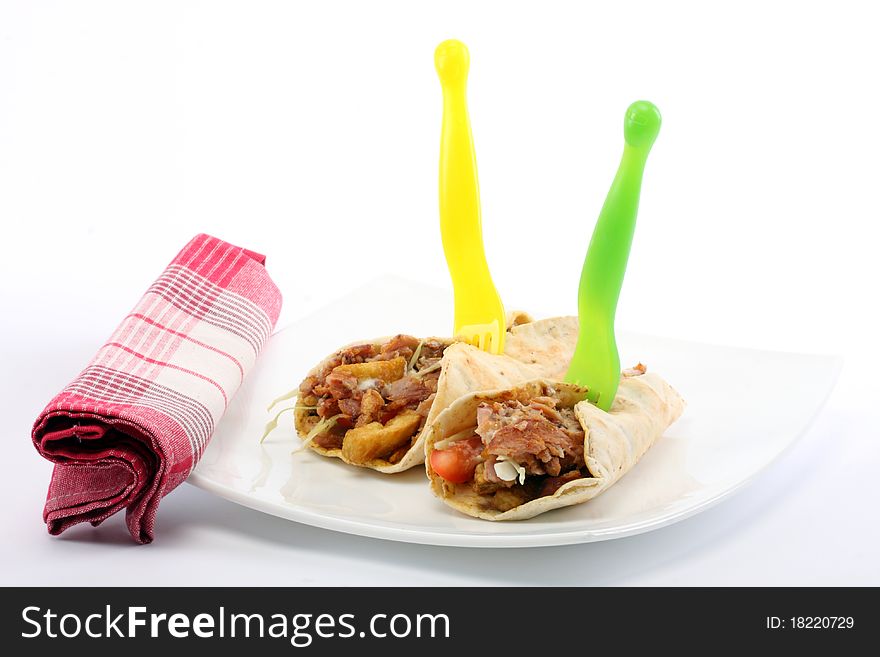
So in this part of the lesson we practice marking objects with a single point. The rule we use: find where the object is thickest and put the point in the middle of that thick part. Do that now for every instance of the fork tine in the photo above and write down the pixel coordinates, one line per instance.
(483, 337)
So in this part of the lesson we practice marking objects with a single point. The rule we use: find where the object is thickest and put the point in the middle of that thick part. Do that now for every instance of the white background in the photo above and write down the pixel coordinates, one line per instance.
(311, 132)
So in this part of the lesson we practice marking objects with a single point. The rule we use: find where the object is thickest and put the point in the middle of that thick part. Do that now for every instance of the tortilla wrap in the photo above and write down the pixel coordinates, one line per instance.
(465, 369)
(548, 344)
(614, 441)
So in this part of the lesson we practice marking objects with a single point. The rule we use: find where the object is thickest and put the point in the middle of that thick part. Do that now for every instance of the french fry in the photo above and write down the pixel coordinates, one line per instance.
(371, 441)
(387, 370)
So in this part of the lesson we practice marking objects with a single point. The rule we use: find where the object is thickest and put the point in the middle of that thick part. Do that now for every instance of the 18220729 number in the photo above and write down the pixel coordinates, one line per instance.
(821, 622)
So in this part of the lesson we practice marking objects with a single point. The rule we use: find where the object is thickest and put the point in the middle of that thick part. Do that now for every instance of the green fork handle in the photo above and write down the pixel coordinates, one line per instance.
(596, 363)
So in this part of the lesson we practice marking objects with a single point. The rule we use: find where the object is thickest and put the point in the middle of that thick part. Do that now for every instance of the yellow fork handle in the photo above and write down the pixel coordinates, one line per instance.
(460, 194)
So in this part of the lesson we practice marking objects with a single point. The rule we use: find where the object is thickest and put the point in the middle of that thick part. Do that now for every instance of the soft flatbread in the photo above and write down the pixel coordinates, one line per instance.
(614, 441)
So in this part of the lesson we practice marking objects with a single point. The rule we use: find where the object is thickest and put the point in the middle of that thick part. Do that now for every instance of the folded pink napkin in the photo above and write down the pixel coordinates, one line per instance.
(135, 422)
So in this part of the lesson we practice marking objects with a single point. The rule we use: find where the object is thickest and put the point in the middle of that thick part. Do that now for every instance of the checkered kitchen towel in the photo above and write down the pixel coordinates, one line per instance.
(135, 422)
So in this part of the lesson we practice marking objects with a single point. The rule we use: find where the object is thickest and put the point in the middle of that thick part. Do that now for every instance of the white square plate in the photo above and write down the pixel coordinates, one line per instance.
(727, 435)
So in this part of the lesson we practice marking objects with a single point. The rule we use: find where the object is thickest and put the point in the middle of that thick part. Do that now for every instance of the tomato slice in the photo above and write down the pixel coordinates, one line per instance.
(456, 464)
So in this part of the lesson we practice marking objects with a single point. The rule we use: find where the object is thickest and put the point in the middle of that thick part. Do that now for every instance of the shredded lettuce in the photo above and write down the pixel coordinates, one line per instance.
(323, 426)
(435, 366)
(415, 356)
(287, 395)
(509, 469)
(272, 424)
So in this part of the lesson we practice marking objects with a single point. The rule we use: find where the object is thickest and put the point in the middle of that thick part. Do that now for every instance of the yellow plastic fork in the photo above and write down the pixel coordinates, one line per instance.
(479, 313)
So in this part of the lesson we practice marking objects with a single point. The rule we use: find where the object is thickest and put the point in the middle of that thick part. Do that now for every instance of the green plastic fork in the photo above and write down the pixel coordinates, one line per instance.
(596, 362)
